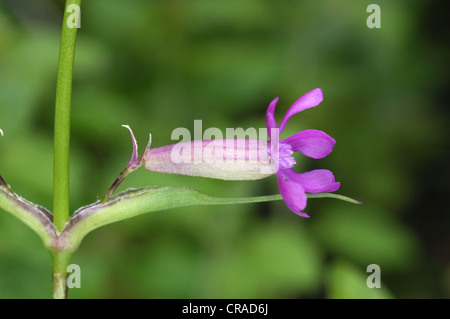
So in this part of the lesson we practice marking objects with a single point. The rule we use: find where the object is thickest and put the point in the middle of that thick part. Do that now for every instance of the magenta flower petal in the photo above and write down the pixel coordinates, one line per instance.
(270, 116)
(293, 194)
(310, 99)
(312, 143)
(316, 181)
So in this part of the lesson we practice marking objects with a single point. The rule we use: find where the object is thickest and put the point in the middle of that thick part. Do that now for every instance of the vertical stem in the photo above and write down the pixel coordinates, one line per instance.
(62, 118)
(61, 259)
(60, 262)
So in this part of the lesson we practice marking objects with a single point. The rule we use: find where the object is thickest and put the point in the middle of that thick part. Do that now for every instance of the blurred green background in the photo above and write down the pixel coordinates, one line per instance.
(158, 65)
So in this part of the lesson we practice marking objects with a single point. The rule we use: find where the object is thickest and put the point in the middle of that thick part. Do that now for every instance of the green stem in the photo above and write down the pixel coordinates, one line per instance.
(62, 120)
(60, 262)
(61, 259)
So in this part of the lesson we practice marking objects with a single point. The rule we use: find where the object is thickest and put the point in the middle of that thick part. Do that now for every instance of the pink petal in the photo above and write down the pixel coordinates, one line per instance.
(310, 99)
(316, 181)
(312, 143)
(270, 116)
(293, 194)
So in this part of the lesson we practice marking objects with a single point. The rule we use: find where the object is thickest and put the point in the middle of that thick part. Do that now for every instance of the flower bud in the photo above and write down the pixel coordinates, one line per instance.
(228, 159)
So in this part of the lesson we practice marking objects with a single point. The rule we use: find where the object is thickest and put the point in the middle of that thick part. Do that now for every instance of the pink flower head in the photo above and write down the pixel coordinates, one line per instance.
(312, 143)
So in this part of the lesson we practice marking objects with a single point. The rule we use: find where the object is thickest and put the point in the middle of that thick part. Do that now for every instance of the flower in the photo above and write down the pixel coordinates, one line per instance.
(312, 143)
(250, 159)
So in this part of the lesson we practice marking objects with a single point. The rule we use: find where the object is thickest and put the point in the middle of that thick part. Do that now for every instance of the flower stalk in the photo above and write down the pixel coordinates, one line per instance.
(116, 184)
(133, 165)
(2, 182)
